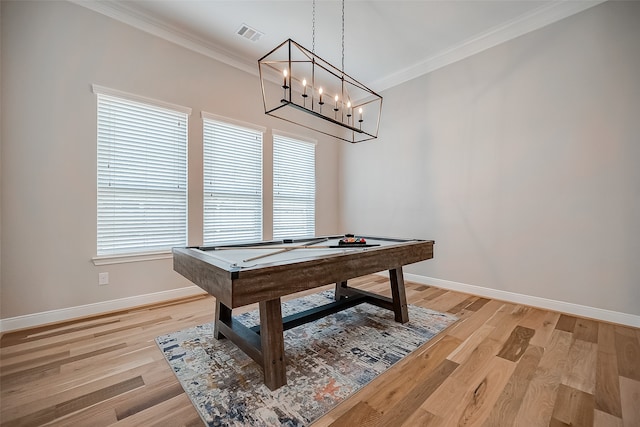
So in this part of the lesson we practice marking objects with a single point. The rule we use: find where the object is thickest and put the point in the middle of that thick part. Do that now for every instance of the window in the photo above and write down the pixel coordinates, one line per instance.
(294, 188)
(232, 182)
(142, 174)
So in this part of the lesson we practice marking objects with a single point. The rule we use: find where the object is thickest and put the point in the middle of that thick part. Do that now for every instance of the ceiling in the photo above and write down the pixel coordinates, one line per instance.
(386, 42)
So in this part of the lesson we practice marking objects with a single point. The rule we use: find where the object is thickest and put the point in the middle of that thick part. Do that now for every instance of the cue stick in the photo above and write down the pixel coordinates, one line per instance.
(287, 249)
(230, 248)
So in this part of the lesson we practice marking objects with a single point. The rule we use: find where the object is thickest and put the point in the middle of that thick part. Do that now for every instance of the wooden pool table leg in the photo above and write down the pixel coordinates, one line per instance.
(340, 293)
(222, 313)
(399, 296)
(272, 343)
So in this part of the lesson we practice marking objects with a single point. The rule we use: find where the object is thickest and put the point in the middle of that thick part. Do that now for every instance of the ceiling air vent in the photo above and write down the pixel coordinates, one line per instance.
(249, 33)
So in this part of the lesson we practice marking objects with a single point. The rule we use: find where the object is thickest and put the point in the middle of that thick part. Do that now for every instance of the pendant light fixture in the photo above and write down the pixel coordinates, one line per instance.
(300, 87)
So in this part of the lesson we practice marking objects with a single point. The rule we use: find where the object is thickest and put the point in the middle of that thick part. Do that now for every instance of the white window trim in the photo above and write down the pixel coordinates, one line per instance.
(304, 140)
(140, 256)
(300, 138)
(225, 121)
(228, 121)
(121, 259)
(101, 90)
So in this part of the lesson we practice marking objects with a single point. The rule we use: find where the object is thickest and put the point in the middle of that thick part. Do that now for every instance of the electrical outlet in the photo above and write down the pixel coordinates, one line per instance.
(103, 278)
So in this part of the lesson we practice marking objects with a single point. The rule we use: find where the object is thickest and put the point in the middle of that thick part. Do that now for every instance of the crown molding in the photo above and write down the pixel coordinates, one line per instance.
(120, 11)
(538, 18)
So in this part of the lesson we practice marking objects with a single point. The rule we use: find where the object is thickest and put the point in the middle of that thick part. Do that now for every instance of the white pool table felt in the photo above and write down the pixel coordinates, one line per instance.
(242, 257)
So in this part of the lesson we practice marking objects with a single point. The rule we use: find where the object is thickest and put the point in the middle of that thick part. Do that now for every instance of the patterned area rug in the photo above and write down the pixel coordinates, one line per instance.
(327, 361)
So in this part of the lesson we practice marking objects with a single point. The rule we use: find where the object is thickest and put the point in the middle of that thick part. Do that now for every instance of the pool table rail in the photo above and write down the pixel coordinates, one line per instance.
(239, 287)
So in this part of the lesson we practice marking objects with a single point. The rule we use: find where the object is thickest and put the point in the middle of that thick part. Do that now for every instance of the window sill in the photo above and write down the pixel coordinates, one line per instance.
(124, 258)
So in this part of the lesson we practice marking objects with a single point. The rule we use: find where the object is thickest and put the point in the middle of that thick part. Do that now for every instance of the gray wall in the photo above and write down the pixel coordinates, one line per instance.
(51, 54)
(521, 162)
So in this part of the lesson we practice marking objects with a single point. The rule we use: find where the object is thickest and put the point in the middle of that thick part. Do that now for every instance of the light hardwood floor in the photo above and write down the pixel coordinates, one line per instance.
(501, 364)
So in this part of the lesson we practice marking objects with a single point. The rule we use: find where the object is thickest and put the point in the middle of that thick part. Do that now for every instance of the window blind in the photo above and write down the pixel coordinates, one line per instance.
(142, 177)
(232, 183)
(294, 188)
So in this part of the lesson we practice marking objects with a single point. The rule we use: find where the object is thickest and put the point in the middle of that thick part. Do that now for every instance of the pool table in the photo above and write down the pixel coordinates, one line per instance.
(264, 272)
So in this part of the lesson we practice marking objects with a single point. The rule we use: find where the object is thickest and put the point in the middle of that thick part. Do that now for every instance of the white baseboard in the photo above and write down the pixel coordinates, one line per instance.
(53, 316)
(548, 304)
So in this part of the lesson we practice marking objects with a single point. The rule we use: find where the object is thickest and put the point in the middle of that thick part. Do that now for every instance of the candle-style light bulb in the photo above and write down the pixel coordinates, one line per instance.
(320, 93)
(360, 111)
(284, 83)
(335, 108)
(304, 87)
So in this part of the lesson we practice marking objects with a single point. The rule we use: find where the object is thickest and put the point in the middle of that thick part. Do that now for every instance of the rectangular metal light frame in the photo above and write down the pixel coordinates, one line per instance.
(286, 98)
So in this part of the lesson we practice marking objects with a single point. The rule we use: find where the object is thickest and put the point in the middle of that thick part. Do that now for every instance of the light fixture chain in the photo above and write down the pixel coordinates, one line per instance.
(342, 36)
(313, 27)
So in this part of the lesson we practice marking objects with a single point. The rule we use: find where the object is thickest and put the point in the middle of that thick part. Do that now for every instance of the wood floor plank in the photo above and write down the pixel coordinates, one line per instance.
(566, 323)
(476, 404)
(433, 293)
(478, 304)
(628, 352)
(33, 399)
(463, 381)
(418, 394)
(479, 359)
(501, 313)
(607, 387)
(35, 348)
(607, 338)
(56, 364)
(145, 399)
(508, 322)
(36, 393)
(33, 360)
(464, 350)
(421, 418)
(89, 418)
(362, 414)
(539, 400)
(75, 384)
(167, 413)
(602, 419)
(506, 407)
(420, 293)
(157, 384)
(447, 301)
(543, 323)
(67, 407)
(586, 330)
(64, 328)
(630, 402)
(401, 388)
(465, 328)
(573, 407)
(462, 305)
(444, 399)
(581, 368)
(107, 370)
(516, 344)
